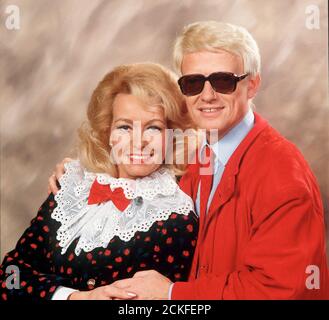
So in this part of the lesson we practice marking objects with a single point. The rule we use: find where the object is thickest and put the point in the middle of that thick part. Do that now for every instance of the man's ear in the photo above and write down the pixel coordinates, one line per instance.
(253, 85)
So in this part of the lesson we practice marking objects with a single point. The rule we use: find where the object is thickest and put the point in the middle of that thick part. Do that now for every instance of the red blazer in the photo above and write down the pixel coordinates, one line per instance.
(264, 229)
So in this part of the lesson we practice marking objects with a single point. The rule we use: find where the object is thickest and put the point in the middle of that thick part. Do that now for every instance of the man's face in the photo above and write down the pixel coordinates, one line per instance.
(210, 109)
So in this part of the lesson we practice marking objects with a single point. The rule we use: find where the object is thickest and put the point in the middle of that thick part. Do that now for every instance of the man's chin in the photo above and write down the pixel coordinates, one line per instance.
(211, 126)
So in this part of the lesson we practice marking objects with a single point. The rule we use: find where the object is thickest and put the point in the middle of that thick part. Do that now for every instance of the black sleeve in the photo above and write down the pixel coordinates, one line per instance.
(32, 256)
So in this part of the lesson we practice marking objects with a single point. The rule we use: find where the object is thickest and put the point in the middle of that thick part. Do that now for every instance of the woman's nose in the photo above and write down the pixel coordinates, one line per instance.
(139, 140)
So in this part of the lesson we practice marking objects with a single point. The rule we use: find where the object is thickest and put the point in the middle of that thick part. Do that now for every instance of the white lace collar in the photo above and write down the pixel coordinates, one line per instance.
(155, 198)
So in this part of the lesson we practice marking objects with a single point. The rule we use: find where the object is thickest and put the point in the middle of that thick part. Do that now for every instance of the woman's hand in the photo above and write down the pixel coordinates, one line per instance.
(109, 292)
(59, 171)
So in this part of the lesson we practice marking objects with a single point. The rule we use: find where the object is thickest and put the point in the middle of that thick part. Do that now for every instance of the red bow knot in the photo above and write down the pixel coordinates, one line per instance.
(100, 193)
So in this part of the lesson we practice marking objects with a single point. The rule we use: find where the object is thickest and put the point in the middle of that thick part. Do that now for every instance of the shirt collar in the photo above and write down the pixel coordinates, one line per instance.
(225, 147)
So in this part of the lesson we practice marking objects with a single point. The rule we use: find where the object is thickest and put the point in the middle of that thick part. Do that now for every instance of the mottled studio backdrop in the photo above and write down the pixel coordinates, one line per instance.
(50, 66)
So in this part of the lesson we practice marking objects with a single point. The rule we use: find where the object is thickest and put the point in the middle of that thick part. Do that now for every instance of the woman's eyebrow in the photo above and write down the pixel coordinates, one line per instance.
(156, 120)
(132, 121)
(123, 120)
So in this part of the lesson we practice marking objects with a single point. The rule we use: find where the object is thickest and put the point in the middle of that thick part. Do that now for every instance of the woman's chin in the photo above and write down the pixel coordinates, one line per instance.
(140, 170)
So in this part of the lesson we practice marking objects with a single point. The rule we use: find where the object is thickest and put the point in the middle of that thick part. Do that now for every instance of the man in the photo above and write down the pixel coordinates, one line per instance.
(261, 233)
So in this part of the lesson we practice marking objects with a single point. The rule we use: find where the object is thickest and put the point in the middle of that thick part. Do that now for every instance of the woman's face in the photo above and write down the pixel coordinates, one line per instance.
(137, 136)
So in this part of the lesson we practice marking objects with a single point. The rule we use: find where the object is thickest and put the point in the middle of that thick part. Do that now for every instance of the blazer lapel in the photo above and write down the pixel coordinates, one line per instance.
(227, 185)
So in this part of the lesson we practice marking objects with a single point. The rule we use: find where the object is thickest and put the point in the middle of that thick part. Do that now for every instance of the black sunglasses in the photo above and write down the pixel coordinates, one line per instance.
(222, 82)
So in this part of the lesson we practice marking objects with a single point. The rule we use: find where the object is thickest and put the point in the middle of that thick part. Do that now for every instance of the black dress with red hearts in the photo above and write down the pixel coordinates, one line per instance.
(167, 247)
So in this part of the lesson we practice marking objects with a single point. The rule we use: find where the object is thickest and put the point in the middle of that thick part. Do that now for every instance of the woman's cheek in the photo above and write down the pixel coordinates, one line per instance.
(120, 142)
(160, 147)
(164, 144)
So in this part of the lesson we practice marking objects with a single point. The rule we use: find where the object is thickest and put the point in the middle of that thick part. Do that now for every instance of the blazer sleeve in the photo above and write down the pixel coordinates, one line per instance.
(32, 257)
(287, 237)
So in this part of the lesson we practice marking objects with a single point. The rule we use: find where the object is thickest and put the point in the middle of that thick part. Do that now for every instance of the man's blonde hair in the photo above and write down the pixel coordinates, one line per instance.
(214, 35)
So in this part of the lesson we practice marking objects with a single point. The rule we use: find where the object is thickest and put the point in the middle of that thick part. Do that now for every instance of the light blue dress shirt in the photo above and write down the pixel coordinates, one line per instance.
(223, 150)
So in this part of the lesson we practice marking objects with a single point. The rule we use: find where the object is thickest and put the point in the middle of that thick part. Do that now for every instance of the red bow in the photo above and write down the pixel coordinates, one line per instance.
(101, 193)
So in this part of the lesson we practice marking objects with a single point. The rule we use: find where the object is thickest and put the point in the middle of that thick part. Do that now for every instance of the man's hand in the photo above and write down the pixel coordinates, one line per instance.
(102, 293)
(148, 285)
(59, 171)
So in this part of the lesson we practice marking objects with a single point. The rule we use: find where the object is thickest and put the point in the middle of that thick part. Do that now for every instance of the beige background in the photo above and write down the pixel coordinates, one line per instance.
(51, 65)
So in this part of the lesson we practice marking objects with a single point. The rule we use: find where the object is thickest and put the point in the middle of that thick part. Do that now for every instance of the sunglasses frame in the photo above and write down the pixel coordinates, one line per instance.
(235, 78)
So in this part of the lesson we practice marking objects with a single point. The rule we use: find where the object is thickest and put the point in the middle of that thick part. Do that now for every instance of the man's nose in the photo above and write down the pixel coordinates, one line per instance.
(208, 93)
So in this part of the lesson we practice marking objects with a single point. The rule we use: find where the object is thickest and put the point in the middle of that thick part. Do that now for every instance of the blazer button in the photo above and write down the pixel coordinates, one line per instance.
(91, 284)
(204, 268)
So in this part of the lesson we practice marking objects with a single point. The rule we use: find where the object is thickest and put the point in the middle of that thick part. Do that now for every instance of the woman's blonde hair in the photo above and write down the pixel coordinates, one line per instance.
(214, 35)
(148, 81)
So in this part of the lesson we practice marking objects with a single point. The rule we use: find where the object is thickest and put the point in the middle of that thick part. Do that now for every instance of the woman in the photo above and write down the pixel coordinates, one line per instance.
(119, 209)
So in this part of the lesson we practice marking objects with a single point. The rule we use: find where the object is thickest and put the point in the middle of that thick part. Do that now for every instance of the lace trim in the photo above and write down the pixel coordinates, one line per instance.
(154, 198)
(159, 182)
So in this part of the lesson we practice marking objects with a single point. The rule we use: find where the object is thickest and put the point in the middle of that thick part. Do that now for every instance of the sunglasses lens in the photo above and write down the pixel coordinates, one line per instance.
(191, 85)
(223, 82)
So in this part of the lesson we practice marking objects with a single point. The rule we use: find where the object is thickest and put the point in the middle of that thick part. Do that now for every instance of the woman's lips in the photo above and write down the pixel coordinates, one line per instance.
(140, 158)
